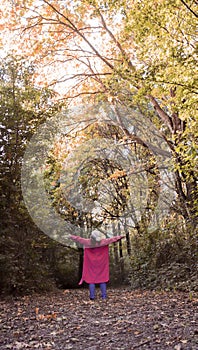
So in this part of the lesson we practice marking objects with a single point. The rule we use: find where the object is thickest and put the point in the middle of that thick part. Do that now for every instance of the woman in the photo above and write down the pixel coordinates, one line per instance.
(96, 261)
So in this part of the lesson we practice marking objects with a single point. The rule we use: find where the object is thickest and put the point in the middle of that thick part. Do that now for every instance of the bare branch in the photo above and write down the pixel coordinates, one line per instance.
(77, 31)
(85, 75)
(189, 8)
(126, 58)
(85, 93)
(163, 115)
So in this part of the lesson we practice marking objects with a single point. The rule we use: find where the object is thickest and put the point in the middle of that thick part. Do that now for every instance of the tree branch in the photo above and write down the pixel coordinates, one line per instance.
(126, 58)
(76, 30)
(188, 7)
(84, 93)
(163, 115)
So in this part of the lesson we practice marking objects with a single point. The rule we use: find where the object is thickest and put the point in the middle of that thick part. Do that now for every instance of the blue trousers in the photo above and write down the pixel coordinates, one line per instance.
(103, 289)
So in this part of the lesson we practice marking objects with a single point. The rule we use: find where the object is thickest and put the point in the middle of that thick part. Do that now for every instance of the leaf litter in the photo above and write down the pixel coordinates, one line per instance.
(128, 320)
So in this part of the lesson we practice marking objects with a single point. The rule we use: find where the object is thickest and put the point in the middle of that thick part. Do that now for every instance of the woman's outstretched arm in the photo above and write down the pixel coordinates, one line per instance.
(81, 240)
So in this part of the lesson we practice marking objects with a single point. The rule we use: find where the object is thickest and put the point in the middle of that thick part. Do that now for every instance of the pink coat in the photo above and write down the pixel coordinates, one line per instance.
(96, 260)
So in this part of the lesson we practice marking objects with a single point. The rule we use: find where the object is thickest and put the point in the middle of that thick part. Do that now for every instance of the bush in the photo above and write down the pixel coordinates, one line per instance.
(165, 259)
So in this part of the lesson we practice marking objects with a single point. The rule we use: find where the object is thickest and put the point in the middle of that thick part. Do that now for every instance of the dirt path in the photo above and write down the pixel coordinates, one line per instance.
(128, 320)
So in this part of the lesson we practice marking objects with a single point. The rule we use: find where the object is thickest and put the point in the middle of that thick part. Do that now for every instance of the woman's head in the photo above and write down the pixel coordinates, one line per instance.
(96, 237)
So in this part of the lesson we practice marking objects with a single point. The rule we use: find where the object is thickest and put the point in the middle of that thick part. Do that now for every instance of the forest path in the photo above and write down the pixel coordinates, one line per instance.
(128, 320)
